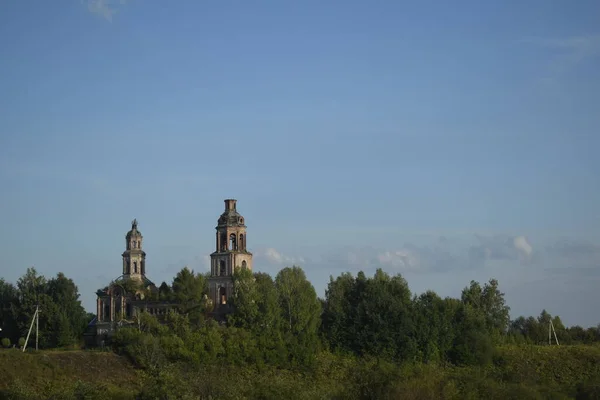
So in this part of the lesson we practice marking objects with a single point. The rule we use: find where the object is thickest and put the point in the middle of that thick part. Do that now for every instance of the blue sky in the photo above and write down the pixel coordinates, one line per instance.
(446, 141)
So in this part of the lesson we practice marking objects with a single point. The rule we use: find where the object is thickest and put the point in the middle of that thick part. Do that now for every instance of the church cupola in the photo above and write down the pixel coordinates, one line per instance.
(134, 258)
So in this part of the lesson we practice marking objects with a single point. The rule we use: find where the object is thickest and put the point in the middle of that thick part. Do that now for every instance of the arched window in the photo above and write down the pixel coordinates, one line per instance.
(135, 271)
(139, 244)
(118, 310)
(244, 265)
(222, 268)
(223, 242)
(106, 312)
(233, 242)
(242, 245)
(223, 295)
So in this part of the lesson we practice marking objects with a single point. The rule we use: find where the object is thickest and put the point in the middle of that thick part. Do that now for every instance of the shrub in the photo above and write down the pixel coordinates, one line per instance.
(6, 342)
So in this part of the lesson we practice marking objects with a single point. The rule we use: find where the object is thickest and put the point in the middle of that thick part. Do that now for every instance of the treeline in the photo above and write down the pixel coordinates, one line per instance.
(360, 315)
(369, 338)
(62, 318)
(282, 322)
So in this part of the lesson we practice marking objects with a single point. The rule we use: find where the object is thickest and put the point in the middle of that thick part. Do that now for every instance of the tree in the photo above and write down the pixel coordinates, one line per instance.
(338, 318)
(8, 306)
(70, 319)
(164, 292)
(384, 315)
(472, 344)
(301, 310)
(433, 327)
(490, 302)
(188, 291)
(244, 300)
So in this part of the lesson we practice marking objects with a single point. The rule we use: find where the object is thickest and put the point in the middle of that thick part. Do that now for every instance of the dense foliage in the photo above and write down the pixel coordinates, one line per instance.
(370, 337)
(62, 319)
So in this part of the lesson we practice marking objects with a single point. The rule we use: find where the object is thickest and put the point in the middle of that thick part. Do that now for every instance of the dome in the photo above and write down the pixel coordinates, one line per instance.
(230, 216)
(134, 230)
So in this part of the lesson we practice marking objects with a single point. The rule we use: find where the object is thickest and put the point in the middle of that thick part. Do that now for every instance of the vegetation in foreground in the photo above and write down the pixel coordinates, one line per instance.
(517, 372)
(370, 338)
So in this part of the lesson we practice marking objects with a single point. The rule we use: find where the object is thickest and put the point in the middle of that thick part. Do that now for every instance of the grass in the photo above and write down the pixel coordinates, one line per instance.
(39, 370)
(518, 372)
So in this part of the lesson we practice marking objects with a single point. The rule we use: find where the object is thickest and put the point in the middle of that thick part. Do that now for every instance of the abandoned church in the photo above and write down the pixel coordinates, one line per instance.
(132, 293)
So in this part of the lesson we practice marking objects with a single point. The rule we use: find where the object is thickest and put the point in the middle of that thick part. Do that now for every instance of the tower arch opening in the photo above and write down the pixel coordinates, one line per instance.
(223, 295)
(233, 242)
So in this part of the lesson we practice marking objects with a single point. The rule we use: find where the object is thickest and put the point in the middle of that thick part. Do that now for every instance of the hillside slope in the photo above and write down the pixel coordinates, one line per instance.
(48, 372)
(518, 372)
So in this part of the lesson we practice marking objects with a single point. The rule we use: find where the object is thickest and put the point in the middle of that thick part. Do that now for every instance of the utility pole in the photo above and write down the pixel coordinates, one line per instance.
(34, 319)
(550, 331)
(37, 327)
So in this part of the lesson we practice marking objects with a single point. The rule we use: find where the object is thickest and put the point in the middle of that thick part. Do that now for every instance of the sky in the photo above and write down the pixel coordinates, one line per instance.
(444, 141)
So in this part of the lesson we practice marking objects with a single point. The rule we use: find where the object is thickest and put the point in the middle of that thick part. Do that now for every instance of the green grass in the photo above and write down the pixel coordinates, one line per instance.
(50, 373)
(518, 372)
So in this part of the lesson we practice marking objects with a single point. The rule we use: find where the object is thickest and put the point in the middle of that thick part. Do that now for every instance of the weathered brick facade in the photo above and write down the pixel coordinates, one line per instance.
(230, 253)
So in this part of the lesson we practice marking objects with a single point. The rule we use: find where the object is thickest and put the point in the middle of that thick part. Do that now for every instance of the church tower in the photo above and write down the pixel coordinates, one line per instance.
(230, 253)
(134, 258)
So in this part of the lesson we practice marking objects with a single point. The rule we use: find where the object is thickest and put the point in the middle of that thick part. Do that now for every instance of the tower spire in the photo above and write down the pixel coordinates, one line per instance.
(230, 253)
(134, 258)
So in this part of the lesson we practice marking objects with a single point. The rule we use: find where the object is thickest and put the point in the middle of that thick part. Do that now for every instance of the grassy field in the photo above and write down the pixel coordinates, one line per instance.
(47, 373)
(518, 372)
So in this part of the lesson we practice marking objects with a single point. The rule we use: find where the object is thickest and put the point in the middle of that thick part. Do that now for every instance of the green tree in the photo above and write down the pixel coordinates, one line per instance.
(384, 314)
(490, 302)
(371, 316)
(165, 293)
(8, 310)
(433, 326)
(268, 326)
(244, 300)
(70, 318)
(472, 343)
(189, 289)
(339, 312)
(300, 310)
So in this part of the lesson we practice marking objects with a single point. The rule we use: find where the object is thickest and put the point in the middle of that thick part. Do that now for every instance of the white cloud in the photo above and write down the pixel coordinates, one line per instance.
(105, 8)
(275, 257)
(402, 259)
(522, 245)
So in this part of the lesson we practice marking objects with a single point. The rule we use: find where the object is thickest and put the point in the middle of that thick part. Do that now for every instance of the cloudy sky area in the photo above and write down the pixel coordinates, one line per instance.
(446, 141)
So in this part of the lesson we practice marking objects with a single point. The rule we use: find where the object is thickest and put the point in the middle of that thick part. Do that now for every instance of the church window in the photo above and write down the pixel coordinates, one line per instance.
(106, 313)
(222, 268)
(242, 246)
(223, 242)
(244, 265)
(232, 242)
(223, 295)
(135, 271)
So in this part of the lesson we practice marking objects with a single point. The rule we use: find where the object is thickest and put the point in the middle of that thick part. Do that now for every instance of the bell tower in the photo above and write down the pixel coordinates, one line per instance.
(230, 253)
(134, 258)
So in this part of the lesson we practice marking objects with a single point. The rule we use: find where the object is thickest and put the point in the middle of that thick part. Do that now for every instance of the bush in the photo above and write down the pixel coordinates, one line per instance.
(6, 342)
(21, 342)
